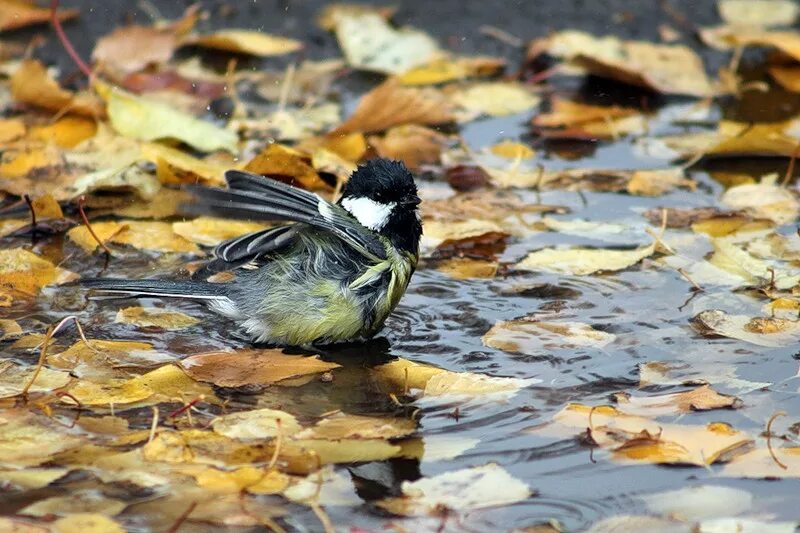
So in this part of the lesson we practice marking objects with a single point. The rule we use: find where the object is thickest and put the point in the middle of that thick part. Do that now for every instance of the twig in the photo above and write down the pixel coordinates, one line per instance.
(65, 42)
(153, 425)
(33, 215)
(789, 169)
(278, 443)
(182, 518)
(501, 35)
(286, 87)
(81, 202)
(78, 404)
(327, 525)
(192, 403)
(769, 442)
(39, 364)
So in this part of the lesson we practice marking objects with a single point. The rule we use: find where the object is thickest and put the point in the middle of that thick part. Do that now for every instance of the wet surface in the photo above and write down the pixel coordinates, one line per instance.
(440, 321)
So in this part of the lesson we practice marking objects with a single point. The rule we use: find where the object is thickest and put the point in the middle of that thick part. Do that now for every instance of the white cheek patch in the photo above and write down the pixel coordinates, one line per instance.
(370, 214)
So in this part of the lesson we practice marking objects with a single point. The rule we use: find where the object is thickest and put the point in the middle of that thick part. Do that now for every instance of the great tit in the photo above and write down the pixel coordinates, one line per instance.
(335, 274)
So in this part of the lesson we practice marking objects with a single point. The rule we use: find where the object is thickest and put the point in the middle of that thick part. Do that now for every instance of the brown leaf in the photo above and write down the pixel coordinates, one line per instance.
(32, 85)
(390, 104)
(702, 398)
(575, 120)
(20, 13)
(132, 48)
(251, 367)
(414, 145)
(245, 42)
(286, 164)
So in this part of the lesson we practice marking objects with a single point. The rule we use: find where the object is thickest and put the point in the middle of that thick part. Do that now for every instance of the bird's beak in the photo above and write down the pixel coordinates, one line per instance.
(411, 202)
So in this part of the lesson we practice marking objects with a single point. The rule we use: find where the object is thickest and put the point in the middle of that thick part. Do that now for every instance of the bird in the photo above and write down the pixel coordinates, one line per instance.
(333, 273)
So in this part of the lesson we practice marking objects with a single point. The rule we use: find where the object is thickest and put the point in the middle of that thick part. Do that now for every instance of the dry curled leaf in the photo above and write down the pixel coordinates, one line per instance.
(390, 104)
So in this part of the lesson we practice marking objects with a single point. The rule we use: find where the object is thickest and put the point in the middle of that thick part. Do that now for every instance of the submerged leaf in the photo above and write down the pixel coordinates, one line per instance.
(530, 336)
(583, 261)
(154, 317)
(251, 367)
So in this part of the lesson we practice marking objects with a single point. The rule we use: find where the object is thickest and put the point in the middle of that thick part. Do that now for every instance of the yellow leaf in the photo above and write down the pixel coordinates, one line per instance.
(86, 523)
(450, 69)
(177, 167)
(465, 268)
(246, 42)
(702, 398)
(370, 43)
(75, 502)
(258, 424)
(347, 426)
(155, 236)
(209, 231)
(154, 317)
(26, 272)
(496, 99)
(11, 129)
(512, 150)
(148, 120)
(669, 69)
(330, 14)
(19, 162)
(31, 478)
(66, 132)
(278, 161)
(248, 478)
(583, 261)
(31, 84)
(14, 378)
(763, 200)
(21, 13)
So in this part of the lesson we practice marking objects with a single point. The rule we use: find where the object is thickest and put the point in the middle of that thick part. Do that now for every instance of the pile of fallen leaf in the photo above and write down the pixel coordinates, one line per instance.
(93, 176)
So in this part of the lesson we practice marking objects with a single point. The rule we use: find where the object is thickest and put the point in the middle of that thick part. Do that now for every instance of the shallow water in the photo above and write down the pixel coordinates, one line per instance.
(440, 321)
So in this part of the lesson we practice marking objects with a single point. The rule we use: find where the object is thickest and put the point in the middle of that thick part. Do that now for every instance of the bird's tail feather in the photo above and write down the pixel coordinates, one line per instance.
(197, 290)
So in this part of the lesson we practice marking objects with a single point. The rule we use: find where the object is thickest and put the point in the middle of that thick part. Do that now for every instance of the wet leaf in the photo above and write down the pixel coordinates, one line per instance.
(461, 490)
(451, 68)
(250, 479)
(27, 439)
(763, 200)
(637, 439)
(464, 268)
(177, 167)
(243, 41)
(66, 132)
(370, 43)
(390, 104)
(14, 379)
(583, 261)
(208, 231)
(258, 424)
(89, 501)
(32, 85)
(764, 14)
(512, 150)
(155, 236)
(670, 69)
(154, 317)
(699, 502)
(763, 331)
(702, 398)
(16, 14)
(413, 145)
(148, 120)
(761, 463)
(530, 336)
(27, 273)
(329, 15)
(251, 367)
(10, 329)
(347, 426)
(30, 478)
(286, 164)
(570, 119)
(86, 523)
(496, 99)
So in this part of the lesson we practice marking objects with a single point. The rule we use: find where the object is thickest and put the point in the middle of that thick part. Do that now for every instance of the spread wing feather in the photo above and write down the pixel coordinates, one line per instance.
(251, 196)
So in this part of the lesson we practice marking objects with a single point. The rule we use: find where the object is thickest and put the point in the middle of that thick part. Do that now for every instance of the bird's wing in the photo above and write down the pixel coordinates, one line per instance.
(251, 196)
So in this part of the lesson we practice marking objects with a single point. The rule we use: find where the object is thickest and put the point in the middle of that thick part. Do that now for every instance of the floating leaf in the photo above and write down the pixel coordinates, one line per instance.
(16, 14)
(763, 463)
(258, 424)
(14, 379)
(26, 272)
(347, 426)
(208, 231)
(530, 336)
(154, 317)
(496, 99)
(583, 261)
(702, 398)
(370, 43)
(568, 119)
(245, 42)
(412, 144)
(451, 68)
(251, 367)
(32, 85)
(156, 236)
(88, 501)
(461, 490)
(87, 523)
(763, 331)
(763, 200)
(390, 104)
(148, 120)
(670, 69)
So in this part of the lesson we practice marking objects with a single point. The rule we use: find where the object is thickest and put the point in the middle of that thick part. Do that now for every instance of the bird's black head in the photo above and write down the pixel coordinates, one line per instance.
(382, 195)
